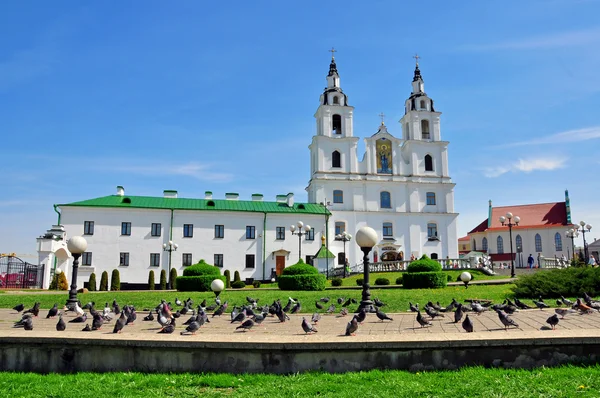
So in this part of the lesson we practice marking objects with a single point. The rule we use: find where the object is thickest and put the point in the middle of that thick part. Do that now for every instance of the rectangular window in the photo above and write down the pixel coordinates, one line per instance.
(124, 259)
(219, 260)
(280, 233)
(88, 228)
(310, 260)
(186, 259)
(126, 228)
(86, 258)
(340, 227)
(430, 198)
(219, 231)
(432, 231)
(388, 229)
(155, 229)
(338, 196)
(250, 232)
(341, 258)
(154, 259)
(188, 230)
(250, 260)
(310, 235)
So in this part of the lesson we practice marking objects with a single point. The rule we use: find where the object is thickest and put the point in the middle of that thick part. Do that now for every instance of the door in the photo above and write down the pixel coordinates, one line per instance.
(279, 264)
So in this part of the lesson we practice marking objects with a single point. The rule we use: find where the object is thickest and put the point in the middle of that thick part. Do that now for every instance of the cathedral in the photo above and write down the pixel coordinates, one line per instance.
(400, 187)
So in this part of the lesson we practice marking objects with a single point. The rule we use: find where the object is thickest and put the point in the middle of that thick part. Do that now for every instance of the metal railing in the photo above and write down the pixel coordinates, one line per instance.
(18, 274)
(396, 266)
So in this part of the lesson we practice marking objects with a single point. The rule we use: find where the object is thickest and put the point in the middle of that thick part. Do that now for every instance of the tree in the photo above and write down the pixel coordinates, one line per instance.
(92, 283)
(173, 278)
(163, 280)
(115, 280)
(104, 282)
(151, 280)
(236, 276)
(228, 280)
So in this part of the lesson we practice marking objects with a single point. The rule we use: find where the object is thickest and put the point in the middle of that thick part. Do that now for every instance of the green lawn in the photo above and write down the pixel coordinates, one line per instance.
(392, 276)
(569, 381)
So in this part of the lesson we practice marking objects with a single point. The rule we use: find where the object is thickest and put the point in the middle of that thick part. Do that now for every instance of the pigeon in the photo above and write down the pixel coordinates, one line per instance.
(78, 310)
(251, 300)
(347, 303)
(432, 312)
(35, 310)
(53, 311)
(344, 311)
(218, 300)
(459, 314)
(219, 311)
(422, 321)
(452, 305)
(506, 320)
(468, 324)
(307, 327)
(413, 308)
(331, 309)
(87, 328)
(559, 302)
(178, 302)
(521, 305)
(566, 301)
(61, 325)
(259, 318)
(383, 316)
(318, 305)
(316, 318)
(191, 328)
(540, 304)
(552, 321)
(246, 325)
(21, 322)
(378, 303)
(340, 300)
(361, 316)
(79, 319)
(564, 311)
(149, 317)
(324, 299)
(296, 308)
(436, 307)
(239, 317)
(19, 307)
(97, 322)
(120, 323)
(89, 305)
(168, 329)
(352, 327)
(281, 315)
(478, 308)
(131, 315)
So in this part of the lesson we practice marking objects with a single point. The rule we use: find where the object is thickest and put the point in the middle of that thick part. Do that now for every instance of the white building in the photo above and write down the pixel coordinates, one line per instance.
(401, 187)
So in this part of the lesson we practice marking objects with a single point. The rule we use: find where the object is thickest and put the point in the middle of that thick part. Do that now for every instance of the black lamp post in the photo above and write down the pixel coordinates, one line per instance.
(344, 237)
(302, 230)
(76, 245)
(366, 238)
(170, 248)
(572, 233)
(585, 228)
(510, 224)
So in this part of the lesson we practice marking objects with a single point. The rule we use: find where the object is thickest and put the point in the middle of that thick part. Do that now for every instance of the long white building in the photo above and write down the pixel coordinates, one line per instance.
(400, 187)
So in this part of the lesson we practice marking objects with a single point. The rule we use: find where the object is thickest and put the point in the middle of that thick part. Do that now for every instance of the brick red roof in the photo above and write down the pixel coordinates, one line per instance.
(464, 238)
(540, 215)
(481, 227)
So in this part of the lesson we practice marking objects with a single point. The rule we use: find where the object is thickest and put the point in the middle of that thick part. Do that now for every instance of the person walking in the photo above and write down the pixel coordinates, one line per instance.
(592, 261)
(530, 261)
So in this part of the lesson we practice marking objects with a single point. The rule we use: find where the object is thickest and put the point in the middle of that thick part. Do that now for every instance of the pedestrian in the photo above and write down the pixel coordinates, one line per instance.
(530, 261)
(592, 261)
(539, 262)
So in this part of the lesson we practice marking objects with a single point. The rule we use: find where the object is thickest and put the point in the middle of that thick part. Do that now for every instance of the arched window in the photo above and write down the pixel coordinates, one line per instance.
(434, 256)
(336, 100)
(500, 245)
(340, 227)
(336, 159)
(428, 163)
(484, 245)
(388, 229)
(558, 242)
(519, 242)
(430, 198)
(474, 245)
(425, 130)
(538, 243)
(336, 124)
(422, 104)
(432, 231)
(338, 196)
(406, 129)
(385, 200)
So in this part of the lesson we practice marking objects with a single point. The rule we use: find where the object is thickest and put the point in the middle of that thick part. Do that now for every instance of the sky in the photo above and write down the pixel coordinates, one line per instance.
(220, 96)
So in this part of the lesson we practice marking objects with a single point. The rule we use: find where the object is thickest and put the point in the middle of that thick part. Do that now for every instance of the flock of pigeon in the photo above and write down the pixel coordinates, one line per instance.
(247, 316)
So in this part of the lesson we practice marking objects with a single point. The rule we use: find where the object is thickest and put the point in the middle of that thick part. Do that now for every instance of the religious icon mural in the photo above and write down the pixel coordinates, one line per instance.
(384, 156)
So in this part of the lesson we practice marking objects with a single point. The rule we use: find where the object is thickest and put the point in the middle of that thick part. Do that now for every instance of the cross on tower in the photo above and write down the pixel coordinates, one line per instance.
(382, 115)
(332, 51)
(416, 57)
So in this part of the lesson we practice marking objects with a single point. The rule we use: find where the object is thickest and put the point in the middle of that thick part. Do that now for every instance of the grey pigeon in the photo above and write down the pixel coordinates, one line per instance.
(378, 303)
(422, 321)
(552, 321)
(521, 305)
(168, 329)
(61, 325)
(246, 325)
(177, 302)
(540, 304)
(97, 322)
(564, 311)
(259, 318)
(340, 300)
(120, 323)
(352, 327)
(432, 312)
(316, 317)
(79, 319)
(468, 324)
(191, 328)
(296, 308)
(413, 308)
(19, 307)
(344, 311)
(322, 299)
(307, 327)
(478, 308)
(383, 316)
(21, 323)
(239, 317)
(149, 317)
(331, 309)
(35, 310)
(28, 324)
(87, 328)
(318, 305)
(361, 316)
(566, 302)
(506, 320)
(53, 311)
(459, 313)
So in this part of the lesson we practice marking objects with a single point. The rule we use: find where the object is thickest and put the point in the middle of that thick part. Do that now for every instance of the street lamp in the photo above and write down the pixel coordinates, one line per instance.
(366, 238)
(572, 233)
(217, 287)
(466, 277)
(302, 230)
(344, 237)
(170, 247)
(76, 245)
(583, 229)
(510, 224)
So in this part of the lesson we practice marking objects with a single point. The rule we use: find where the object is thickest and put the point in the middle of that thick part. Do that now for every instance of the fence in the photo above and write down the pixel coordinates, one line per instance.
(18, 274)
(396, 266)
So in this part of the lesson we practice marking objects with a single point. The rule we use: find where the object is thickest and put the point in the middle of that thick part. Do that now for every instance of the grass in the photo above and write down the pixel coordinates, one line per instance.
(392, 276)
(568, 381)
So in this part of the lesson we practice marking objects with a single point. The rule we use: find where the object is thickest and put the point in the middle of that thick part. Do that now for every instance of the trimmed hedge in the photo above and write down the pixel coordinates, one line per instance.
(173, 278)
(236, 276)
(151, 280)
(300, 268)
(399, 280)
(424, 280)
(227, 275)
(302, 282)
(256, 284)
(201, 269)
(92, 283)
(382, 281)
(196, 283)
(163, 279)
(238, 284)
(360, 281)
(569, 282)
(424, 264)
(115, 280)
(336, 282)
(104, 281)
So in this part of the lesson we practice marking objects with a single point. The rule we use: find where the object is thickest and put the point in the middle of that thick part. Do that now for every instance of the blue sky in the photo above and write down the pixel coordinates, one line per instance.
(220, 96)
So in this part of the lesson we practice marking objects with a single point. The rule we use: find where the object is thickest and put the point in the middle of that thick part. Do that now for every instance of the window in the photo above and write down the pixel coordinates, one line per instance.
(188, 230)
(430, 198)
(219, 231)
(484, 245)
(432, 231)
(434, 256)
(249, 260)
(519, 243)
(310, 235)
(474, 245)
(250, 232)
(336, 100)
(336, 124)
(500, 245)
(388, 230)
(538, 243)
(385, 200)
(428, 163)
(88, 228)
(154, 259)
(425, 130)
(124, 259)
(338, 196)
(186, 259)
(341, 258)
(126, 228)
(336, 159)
(280, 233)
(340, 227)
(86, 258)
(310, 260)
(558, 242)
(155, 229)
(422, 104)
(219, 260)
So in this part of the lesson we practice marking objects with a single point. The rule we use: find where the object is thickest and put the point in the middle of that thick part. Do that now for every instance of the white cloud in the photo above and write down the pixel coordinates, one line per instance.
(200, 171)
(565, 137)
(526, 166)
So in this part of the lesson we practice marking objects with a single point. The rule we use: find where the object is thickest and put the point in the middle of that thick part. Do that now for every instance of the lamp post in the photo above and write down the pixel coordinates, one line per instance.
(302, 230)
(585, 228)
(465, 277)
(170, 248)
(510, 224)
(217, 287)
(344, 237)
(366, 238)
(76, 245)
(572, 233)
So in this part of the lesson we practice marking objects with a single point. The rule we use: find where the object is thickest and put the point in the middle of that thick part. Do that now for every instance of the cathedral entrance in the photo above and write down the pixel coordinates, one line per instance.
(279, 264)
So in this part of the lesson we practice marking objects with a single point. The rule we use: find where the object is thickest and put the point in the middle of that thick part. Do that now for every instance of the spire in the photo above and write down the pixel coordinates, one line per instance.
(332, 65)
(417, 70)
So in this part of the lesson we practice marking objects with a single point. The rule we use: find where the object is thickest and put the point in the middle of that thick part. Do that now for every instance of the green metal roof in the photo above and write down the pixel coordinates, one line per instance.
(151, 202)
(324, 253)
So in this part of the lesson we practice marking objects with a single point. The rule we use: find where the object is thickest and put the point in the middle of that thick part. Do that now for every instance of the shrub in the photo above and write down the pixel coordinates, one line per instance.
(382, 281)
(236, 276)
(336, 282)
(570, 282)
(302, 282)
(115, 280)
(399, 280)
(173, 278)
(449, 279)
(63, 284)
(300, 268)
(256, 284)
(53, 282)
(196, 283)
(104, 282)
(360, 281)
(202, 268)
(92, 282)
(163, 279)
(424, 280)
(424, 264)
(151, 280)
(238, 284)
(227, 278)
